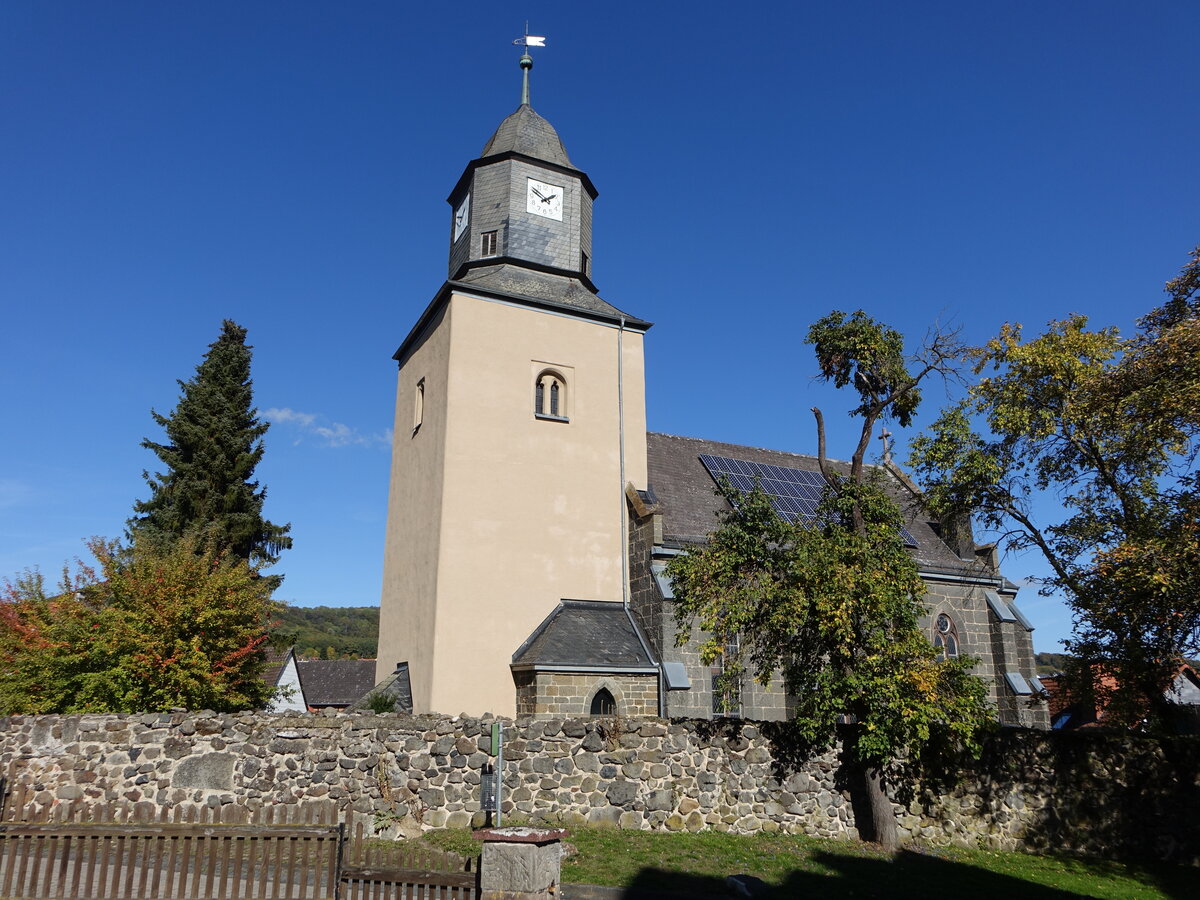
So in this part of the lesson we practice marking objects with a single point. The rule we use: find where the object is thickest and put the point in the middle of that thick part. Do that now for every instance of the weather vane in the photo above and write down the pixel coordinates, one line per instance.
(529, 40)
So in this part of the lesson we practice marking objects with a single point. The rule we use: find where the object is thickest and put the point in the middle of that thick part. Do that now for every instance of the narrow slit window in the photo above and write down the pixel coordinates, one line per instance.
(726, 689)
(554, 398)
(487, 242)
(419, 405)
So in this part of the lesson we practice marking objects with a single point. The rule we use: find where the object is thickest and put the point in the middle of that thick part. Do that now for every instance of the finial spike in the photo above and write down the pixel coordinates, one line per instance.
(526, 65)
(529, 40)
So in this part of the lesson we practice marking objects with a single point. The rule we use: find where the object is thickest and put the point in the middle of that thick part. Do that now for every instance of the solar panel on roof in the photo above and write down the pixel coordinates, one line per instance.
(795, 493)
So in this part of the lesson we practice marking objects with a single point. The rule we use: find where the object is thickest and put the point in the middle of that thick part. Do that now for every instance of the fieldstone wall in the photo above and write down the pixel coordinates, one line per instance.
(1089, 792)
(1099, 794)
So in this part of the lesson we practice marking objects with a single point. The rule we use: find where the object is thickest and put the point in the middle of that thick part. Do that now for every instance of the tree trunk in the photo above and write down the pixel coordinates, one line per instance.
(874, 814)
(883, 814)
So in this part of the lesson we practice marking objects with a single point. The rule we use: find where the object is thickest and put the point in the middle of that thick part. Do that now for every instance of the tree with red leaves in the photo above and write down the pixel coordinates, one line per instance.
(151, 627)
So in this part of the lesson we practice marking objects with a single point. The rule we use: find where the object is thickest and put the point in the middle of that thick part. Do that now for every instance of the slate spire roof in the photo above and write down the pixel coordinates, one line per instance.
(527, 133)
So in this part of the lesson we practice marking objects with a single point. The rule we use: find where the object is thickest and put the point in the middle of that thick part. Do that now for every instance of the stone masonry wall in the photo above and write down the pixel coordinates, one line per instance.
(569, 694)
(1100, 794)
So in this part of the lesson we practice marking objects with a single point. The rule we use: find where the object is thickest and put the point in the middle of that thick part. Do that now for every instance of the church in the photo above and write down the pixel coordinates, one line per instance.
(531, 514)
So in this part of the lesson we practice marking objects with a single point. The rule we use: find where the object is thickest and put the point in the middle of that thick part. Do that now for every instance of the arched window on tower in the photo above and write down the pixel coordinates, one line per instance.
(945, 637)
(550, 396)
(603, 703)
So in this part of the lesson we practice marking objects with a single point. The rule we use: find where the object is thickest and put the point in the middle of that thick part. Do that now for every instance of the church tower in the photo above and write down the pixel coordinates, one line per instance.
(520, 420)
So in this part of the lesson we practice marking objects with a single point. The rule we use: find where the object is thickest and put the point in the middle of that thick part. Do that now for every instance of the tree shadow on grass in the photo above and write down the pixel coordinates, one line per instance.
(659, 884)
(910, 875)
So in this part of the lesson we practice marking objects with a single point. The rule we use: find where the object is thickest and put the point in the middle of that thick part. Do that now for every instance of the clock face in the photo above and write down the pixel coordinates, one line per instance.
(461, 217)
(543, 199)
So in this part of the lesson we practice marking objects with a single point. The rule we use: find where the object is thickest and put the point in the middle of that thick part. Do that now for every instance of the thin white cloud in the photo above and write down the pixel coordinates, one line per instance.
(334, 434)
(281, 416)
(339, 435)
(14, 493)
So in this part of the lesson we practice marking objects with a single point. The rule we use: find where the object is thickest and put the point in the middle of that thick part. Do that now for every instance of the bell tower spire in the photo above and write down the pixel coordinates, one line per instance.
(522, 204)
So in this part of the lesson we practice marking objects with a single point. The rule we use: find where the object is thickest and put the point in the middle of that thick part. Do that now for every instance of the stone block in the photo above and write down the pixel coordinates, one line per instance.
(532, 870)
(620, 793)
(209, 772)
(604, 816)
(660, 799)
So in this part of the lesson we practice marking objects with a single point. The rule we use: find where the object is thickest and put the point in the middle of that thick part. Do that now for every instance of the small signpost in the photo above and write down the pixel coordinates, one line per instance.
(492, 777)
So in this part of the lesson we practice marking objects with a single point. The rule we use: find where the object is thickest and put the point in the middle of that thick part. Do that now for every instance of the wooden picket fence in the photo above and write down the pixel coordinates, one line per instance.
(122, 851)
(380, 870)
(189, 862)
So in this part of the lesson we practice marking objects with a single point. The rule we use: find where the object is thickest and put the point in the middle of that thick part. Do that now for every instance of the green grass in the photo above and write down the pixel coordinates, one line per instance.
(697, 864)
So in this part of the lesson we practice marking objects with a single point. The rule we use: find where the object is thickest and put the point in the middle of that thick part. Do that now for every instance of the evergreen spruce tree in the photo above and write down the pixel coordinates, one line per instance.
(214, 443)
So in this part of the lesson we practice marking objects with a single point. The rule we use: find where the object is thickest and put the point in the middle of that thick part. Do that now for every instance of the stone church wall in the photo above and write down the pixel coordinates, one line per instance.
(569, 694)
(998, 647)
(1089, 793)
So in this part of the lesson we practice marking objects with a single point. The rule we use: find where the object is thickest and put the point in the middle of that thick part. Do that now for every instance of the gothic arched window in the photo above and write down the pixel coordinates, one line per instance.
(603, 703)
(550, 396)
(726, 689)
(945, 637)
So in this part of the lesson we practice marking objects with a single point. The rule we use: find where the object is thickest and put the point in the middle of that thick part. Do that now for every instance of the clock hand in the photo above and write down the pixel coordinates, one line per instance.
(541, 196)
(551, 197)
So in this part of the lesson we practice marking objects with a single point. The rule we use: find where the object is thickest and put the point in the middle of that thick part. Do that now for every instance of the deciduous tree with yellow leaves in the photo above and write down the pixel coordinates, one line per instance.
(1108, 426)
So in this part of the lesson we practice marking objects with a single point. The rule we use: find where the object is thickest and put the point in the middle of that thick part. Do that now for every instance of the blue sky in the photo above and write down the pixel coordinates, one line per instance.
(164, 166)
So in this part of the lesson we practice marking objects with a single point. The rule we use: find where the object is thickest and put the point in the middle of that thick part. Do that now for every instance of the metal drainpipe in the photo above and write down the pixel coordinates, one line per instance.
(625, 517)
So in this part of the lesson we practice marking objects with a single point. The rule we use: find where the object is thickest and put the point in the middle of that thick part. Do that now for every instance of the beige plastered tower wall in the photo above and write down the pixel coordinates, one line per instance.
(494, 514)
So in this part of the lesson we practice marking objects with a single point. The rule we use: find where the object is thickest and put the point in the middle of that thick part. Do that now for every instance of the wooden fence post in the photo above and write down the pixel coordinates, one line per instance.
(341, 842)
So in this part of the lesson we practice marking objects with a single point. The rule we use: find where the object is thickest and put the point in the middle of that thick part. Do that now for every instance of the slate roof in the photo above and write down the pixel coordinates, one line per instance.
(527, 133)
(335, 682)
(689, 503)
(584, 633)
(547, 288)
(275, 661)
(396, 686)
(528, 287)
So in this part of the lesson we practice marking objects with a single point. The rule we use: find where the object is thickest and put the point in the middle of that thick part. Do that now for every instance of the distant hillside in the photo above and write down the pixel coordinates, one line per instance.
(352, 632)
(1049, 663)
(330, 632)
